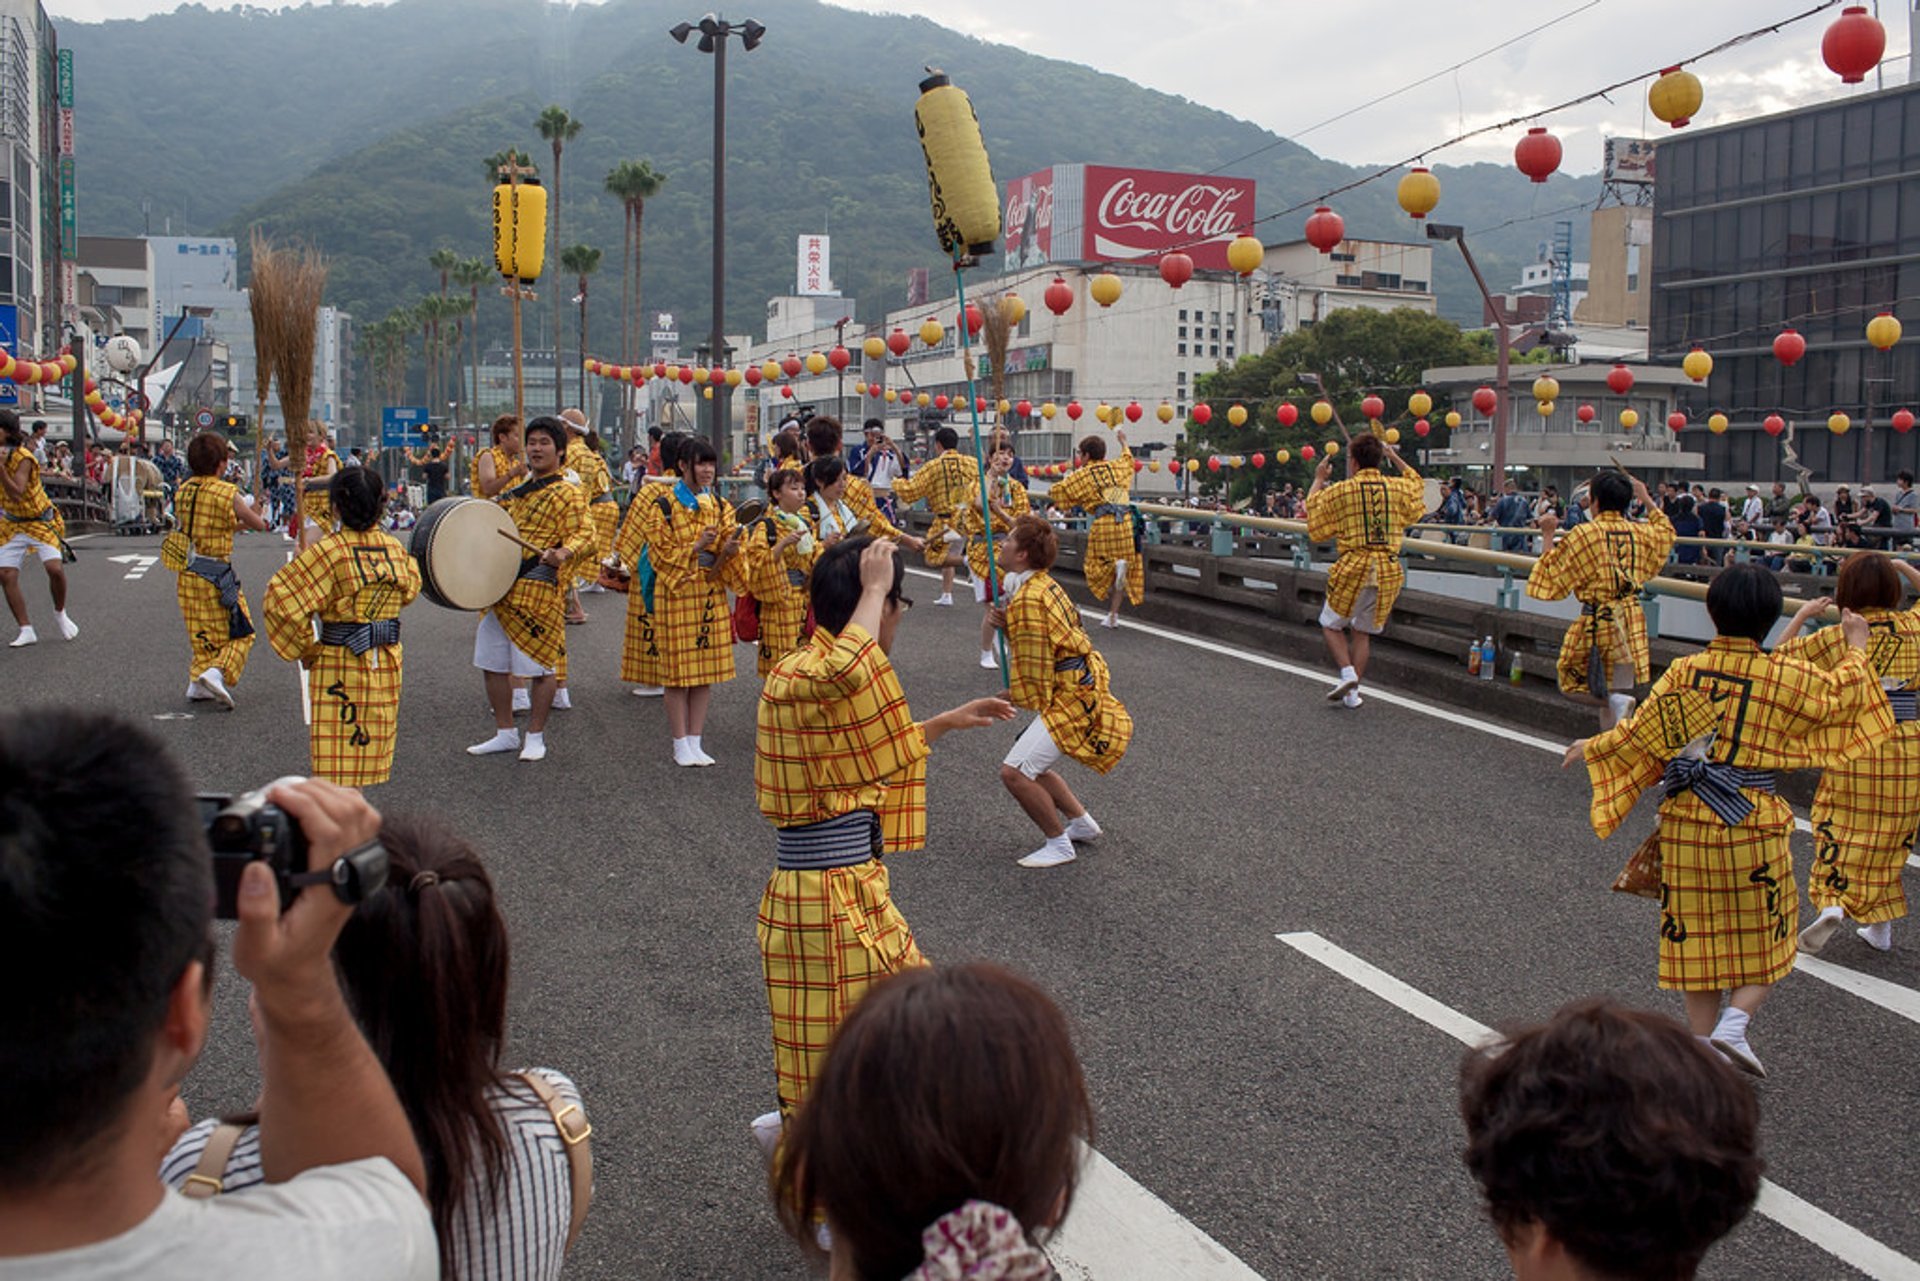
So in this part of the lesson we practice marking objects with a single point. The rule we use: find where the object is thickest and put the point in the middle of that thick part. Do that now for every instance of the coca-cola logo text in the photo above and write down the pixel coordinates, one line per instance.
(1200, 211)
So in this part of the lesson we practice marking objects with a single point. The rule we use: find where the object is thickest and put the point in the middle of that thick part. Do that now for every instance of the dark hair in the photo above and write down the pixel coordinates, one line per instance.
(835, 586)
(1713, 493)
(873, 424)
(823, 435)
(1904, 475)
(1744, 600)
(693, 451)
(1611, 490)
(947, 438)
(206, 453)
(1684, 504)
(10, 427)
(822, 472)
(424, 966)
(1368, 451)
(1617, 1133)
(943, 1086)
(780, 477)
(504, 426)
(1868, 581)
(359, 496)
(654, 434)
(1037, 539)
(554, 429)
(785, 446)
(593, 440)
(106, 896)
(670, 446)
(1093, 447)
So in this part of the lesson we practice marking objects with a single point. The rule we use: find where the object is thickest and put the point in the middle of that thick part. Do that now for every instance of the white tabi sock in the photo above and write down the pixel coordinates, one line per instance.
(68, 628)
(536, 747)
(504, 740)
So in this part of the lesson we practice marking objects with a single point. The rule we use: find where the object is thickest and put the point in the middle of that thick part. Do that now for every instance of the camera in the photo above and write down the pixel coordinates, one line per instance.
(247, 828)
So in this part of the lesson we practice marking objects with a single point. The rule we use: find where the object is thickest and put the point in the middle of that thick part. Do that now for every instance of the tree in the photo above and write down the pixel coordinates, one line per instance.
(443, 260)
(558, 128)
(633, 183)
(580, 261)
(473, 273)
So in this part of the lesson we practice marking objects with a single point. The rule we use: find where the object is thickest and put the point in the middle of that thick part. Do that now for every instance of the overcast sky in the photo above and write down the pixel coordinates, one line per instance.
(1291, 73)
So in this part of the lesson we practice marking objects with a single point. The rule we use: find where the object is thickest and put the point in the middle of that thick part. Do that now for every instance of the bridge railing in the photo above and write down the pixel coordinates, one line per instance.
(79, 502)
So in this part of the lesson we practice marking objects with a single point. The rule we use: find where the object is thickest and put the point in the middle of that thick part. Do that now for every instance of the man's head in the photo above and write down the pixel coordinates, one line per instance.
(506, 432)
(654, 434)
(823, 435)
(1753, 490)
(206, 453)
(1091, 449)
(874, 430)
(575, 420)
(39, 428)
(1609, 1139)
(546, 443)
(946, 438)
(1368, 450)
(1508, 487)
(835, 588)
(1904, 479)
(1714, 494)
(1744, 601)
(166, 449)
(1612, 492)
(106, 902)
(1779, 488)
(1031, 544)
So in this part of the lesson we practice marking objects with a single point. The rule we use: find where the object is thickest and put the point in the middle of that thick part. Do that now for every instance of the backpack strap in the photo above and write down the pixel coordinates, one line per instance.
(209, 1172)
(574, 1131)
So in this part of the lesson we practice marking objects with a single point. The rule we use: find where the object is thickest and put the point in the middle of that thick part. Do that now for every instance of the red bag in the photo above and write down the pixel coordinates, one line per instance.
(746, 619)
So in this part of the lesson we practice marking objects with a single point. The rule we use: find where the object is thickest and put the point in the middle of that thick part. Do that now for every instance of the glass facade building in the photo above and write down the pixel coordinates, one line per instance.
(1809, 219)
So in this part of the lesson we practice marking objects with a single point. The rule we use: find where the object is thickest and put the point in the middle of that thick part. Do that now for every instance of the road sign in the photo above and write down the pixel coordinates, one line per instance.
(403, 426)
(203, 419)
(137, 400)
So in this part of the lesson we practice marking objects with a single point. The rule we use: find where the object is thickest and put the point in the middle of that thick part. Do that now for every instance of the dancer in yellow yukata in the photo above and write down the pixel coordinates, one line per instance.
(692, 542)
(824, 441)
(1367, 515)
(1867, 809)
(354, 582)
(1007, 501)
(1053, 670)
(1715, 730)
(577, 467)
(943, 481)
(1103, 487)
(219, 628)
(1603, 564)
(316, 511)
(30, 525)
(501, 465)
(603, 509)
(778, 552)
(840, 768)
(640, 657)
(525, 634)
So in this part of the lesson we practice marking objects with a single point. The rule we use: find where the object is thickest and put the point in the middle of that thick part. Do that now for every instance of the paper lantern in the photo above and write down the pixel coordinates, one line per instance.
(520, 229)
(1282, 457)
(875, 347)
(1717, 424)
(1629, 419)
(1421, 427)
(940, 402)
(1372, 407)
(1537, 154)
(1393, 435)
(1176, 269)
(960, 189)
(874, 390)
(1213, 463)
(1104, 288)
(591, 365)
(1676, 421)
(890, 396)
(1675, 97)
(686, 374)
(660, 369)
(733, 377)
(1546, 387)
(701, 375)
(1883, 331)
(791, 366)
(1134, 411)
(1419, 192)
(1322, 412)
(1306, 453)
(1059, 296)
(1237, 415)
(1332, 447)
(897, 342)
(1902, 420)
(1419, 404)
(1788, 346)
(1584, 413)
(1074, 410)
(959, 402)
(923, 400)
(1853, 44)
(1138, 466)
(786, 391)
(1619, 380)
(1048, 410)
(1164, 413)
(1024, 408)
(973, 318)
(1259, 460)
(1193, 465)
(68, 364)
(932, 331)
(839, 358)
(1543, 407)
(1838, 424)
(815, 363)
(1288, 414)
(1154, 465)
(1697, 364)
(1245, 254)
(1015, 306)
(1452, 419)
(860, 388)
(1101, 411)
(1774, 425)
(707, 392)
(1325, 229)
(755, 375)
(1202, 414)
(1484, 399)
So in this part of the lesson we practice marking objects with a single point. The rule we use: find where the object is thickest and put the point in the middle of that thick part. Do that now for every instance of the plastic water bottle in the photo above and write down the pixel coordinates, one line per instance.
(1515, 672)
(1489, 659)
(1473, 658)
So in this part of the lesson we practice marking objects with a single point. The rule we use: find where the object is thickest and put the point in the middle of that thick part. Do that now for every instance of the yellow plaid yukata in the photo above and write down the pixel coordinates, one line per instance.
(693, 628)
(778, 582)
(603, 511)
(943, 481)
(502, 464)
(1603, 563)
(1011, 495)
(205, 508)
(578, 467)
(640, 657)
(316, 504)
(33, 513)
(1104, 489)
(349, 577)
(1058, 673)
(549, 513)
(835, 738)
(1367, 514)
(859, 497)
(1729, 907)
(1867, 809)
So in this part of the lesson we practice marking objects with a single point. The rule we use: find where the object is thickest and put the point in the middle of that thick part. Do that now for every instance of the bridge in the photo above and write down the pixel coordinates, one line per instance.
(1299, 918)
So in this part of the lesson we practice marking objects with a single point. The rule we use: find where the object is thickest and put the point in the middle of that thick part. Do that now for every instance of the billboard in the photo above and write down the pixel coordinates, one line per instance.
(814, 276)
(1629, 161)
(1143, 213)
(1028, 221)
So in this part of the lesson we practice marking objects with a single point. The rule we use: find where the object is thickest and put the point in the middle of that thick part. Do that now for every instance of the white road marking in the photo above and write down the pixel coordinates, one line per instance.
(140, 564)
(1903, 1001)
(1836, 1237)
(1119, 1229)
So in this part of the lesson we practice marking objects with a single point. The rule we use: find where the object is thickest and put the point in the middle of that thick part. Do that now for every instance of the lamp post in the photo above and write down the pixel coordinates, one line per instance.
(1458, 234)
(713, 39)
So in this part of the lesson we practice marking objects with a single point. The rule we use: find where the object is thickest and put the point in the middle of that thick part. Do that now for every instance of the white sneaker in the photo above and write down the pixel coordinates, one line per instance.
(1821, 928)
(1343, 687)
(1878, 936)
(1055, 852)
(1083, 828)
(562, 701)
(216, 685)
(1351, 699)
(26, 637)
(648, 691)
(944, 598)
(522, 701)
(536, 748)
(987, 660)
(766, 1130)
(506, 740)
(68, 628)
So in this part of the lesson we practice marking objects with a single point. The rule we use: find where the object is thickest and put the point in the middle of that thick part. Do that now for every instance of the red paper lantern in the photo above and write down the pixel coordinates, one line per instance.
(752, 375)
(1138, 466)
(1074, 410)
(1024, 409)
(1853, 44)
(875, 390)
(1584, 413)
(1176, 269)
(897, 342)
(659, 369)
(1372, 407)
(1789, 346)
(791, 366)
(1902, 420)
(1325, 229)
(1619, 380)
(1537, 154)
(1134, 411)
(1259, 460)
(1421, 427)
(1484, 399)
(1774, 424)
(839, 358)
(1213, 463)
(1288, 414)
(1059, 296)
(941, 402)
(974, 320)
(1306, 453)
(686, 373)
(787, 392)
(1676, 421)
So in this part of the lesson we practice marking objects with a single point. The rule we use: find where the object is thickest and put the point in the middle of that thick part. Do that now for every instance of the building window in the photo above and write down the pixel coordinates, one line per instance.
(1415, 286)
(1350, 282)
(1216, 317)
(1183, 313)
(1633, 269)
(1215, 350)
(1180, 349)
(1340, 257)
(1229, 351)
(1181, 378)
(1215, 335)
(1183, 331)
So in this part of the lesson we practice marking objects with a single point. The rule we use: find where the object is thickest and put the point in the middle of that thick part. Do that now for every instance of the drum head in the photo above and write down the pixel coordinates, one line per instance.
(464, 563)
(751, 510)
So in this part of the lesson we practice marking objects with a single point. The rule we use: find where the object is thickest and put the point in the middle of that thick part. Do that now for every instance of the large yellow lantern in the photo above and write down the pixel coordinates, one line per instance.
(1002, 406)
(1419, 192)
(966, 204)
(932, 332)
(1103, 412)
(1164, 413)
(891, 395)
(1419, 404)
(1282, 456)
(1393, 435)
(1545, 407)
(1697, 364)
(1883, 331)
(520, 229)
(1675, 97)
(923, 400)
(1245, 254)
(875, 346)
(1546, 387)
(816, 363)
(1105, 288)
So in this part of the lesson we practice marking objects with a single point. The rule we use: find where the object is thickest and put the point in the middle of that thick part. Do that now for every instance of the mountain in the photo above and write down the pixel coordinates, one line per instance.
(362, 129)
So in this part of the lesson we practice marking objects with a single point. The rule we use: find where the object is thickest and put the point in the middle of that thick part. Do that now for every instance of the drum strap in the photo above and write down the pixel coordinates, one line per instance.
(528, 488)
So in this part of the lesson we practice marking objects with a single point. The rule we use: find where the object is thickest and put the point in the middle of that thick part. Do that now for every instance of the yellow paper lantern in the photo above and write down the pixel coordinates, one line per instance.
(891, 395)
(1452, 419)
(1105, 288)
(1282, 456)
(769, 371)
(1545, 407)
(707, 392)
(1322, 412)
(959, 403)
(1333, 447)
(1419, 192)
(735, 378)
(966, 204)
(932, 331)
(1015, 307)
(875, 346)
(1245, 254)
(1697, 364)
(1838, 424)
(1237, 415)
(1883, 331)
(1629, 419)
(700, 375)
(1717, 424)
(1546, 387)
(1164, 413)
(1675, 97)
(1154, 465)
(1048, 410)
(520, 229)
(1193, 464)
(1003, 406)
(815, 363)
(923, 400)
(1393, 435)
(860, 389)
(673, 373)
(1419, 404)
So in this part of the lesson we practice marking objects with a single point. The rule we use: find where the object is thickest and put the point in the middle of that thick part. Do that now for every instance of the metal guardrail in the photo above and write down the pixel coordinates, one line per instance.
(76, 499)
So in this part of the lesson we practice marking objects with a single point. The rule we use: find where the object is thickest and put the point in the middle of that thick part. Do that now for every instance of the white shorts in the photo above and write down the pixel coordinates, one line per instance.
(1035, 752)
(13, 553)
(1361, 620)
(980, 594)
(494, 651)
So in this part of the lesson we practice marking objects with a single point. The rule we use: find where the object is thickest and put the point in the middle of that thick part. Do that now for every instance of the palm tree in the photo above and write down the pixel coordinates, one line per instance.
(443, 260)
(473, 273)
(558, 128)
(633, 183)
(581, 261)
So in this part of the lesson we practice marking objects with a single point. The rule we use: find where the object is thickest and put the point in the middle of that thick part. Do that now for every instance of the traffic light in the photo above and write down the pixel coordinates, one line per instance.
(236, 423)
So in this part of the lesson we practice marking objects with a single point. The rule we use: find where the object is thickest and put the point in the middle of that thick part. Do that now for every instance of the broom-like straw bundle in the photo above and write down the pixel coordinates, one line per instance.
(284, 297)
(996, 334)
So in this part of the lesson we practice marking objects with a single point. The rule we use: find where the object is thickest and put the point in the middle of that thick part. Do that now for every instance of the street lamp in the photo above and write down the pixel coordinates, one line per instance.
(1458, 234)
(713, 39)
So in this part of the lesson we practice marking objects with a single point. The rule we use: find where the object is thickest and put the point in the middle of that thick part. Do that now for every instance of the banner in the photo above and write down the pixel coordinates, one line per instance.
(814, 277)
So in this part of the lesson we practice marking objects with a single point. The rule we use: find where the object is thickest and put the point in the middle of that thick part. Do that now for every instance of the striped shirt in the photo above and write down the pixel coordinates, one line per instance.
(521, 1236)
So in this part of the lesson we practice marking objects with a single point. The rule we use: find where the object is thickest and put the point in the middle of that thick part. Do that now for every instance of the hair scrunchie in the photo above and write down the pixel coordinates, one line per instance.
(979, 1242)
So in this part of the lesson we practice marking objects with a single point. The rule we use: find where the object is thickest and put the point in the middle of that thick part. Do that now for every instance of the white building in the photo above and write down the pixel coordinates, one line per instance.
(1304, 285)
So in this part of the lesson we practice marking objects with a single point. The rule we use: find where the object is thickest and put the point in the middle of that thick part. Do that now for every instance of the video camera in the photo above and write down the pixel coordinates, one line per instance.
(249, 827)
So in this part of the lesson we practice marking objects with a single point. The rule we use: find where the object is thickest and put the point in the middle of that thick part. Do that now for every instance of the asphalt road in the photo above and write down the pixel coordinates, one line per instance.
(1303, 1123)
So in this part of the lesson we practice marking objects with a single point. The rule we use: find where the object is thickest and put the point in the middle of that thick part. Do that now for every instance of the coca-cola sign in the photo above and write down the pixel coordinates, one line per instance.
(1143, 213)
(1029, 220)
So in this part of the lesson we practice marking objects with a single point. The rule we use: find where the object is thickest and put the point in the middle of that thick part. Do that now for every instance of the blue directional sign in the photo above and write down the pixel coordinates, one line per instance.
(400, 426)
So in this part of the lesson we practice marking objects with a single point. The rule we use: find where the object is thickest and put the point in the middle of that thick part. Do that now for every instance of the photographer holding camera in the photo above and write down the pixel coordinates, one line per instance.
(106, 898)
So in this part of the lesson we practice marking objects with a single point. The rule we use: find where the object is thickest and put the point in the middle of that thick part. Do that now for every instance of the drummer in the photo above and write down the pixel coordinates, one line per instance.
(525, 634)
(496, 468)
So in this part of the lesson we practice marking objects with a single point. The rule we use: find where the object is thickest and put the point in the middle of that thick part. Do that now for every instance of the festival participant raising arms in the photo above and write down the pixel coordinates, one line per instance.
(219, 629)
(1103, 487)
(1716, 729)
(823, 441)
(1007, 500)
(943, 481)
(840, 768)
(502, 464)
(779, 550)
(1866, 809)
(525, 634)
(640, 659)
(691, 543)
(1604, 563)
(32, 525)
(1367, 514)
(316, 509)
(355, 581)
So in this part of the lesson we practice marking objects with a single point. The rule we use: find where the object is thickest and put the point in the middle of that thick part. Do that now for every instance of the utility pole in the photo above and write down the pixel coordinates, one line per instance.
(1504, 336)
